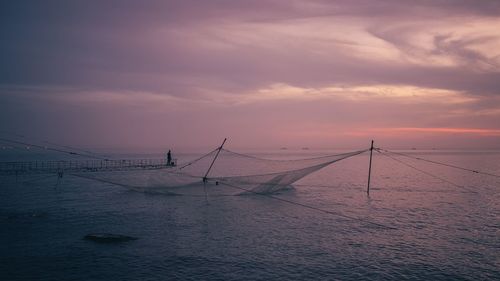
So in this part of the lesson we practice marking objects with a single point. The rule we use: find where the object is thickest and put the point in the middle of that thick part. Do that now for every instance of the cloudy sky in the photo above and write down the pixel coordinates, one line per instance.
(265, 74)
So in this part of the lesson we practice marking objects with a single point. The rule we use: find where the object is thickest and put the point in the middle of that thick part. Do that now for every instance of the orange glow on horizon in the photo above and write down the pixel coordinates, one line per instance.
(482, 132)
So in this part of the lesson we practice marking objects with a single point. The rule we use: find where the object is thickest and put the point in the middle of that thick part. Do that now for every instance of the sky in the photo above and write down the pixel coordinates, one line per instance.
(264, 74)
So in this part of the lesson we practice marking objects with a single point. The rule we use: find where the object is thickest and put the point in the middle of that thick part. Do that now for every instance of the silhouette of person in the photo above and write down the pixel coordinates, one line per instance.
(169, 158)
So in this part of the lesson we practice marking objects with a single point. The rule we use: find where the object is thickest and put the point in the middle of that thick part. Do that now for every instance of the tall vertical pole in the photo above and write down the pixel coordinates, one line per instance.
(213, 161)
(369, 170)
(208, 171)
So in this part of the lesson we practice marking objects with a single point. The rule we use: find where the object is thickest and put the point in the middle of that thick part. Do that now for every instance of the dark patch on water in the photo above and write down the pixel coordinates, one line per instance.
(108, 238)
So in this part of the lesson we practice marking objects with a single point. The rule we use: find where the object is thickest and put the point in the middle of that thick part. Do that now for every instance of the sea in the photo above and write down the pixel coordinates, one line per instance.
(420, 221)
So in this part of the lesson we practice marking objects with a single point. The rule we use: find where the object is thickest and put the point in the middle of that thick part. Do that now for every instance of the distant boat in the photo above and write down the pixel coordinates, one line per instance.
(305, 148)
(284, 148)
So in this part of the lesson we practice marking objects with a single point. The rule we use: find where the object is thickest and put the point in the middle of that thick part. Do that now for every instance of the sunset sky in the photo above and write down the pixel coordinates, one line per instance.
(265, 74)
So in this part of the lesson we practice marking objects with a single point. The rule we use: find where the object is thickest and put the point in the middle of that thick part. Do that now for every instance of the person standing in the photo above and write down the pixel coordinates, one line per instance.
(169, 158)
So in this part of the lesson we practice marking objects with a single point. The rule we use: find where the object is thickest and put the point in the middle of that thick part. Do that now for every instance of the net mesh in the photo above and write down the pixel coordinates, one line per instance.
(270, 176)
(231, 173)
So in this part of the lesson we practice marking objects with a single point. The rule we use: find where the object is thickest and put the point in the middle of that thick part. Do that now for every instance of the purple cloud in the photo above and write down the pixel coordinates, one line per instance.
(209, 68)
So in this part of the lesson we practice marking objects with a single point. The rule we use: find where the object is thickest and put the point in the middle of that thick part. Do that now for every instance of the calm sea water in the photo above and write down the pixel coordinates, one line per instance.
(440, 231)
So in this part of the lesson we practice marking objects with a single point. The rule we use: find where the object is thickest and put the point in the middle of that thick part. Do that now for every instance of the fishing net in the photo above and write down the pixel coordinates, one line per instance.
(230, 173)
(250, 174)
(220, 171)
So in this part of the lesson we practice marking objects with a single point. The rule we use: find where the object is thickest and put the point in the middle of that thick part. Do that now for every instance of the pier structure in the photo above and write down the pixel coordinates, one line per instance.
(74, 166)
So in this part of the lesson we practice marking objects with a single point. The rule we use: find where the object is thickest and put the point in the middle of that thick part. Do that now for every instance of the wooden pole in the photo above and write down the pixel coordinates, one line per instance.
(213, 161)
(369, 170)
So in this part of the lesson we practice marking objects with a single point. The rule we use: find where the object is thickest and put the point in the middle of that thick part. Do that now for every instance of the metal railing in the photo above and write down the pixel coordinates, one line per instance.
(40, 167)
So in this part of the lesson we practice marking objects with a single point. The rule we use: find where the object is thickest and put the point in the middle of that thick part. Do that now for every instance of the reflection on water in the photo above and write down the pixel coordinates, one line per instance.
(443, 231)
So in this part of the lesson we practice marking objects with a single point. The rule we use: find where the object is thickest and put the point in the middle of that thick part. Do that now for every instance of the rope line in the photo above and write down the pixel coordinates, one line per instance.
(424, 172)
(53, 149)
(197, 159)
(59, 145)
(288, 171)
(310, 207)
(88, 152)
(104, 181)
(443, 164)
(287, 160)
